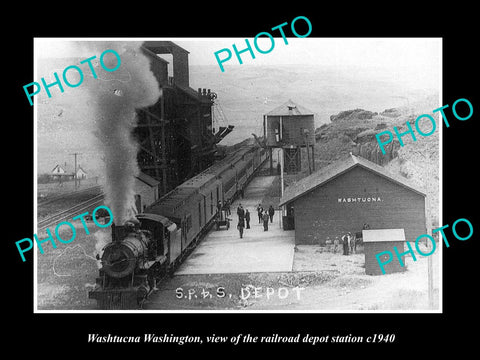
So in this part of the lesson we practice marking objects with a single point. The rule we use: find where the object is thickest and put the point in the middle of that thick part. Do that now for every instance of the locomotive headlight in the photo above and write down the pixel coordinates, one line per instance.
(120, 258)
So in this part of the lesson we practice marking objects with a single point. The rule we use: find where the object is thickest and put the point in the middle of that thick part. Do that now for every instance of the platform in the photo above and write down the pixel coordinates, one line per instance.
(223, 252)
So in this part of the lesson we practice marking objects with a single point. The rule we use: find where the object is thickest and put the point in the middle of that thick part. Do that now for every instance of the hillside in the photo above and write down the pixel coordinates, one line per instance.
(354, 131)
(246, 92)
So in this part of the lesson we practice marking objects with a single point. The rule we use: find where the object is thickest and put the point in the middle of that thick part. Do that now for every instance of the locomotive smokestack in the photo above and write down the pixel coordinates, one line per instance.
(118, 233)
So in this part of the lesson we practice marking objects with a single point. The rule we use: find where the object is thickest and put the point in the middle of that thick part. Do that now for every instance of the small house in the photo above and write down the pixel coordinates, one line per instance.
(146, 191)
(81, 174)
(59, 173)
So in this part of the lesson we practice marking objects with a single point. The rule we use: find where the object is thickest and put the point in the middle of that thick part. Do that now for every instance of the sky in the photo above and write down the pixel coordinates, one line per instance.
(384, 52)
(326, 51)
(416, 60)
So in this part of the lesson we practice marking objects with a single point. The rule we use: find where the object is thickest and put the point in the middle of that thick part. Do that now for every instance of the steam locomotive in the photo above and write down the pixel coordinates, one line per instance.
(145, 250)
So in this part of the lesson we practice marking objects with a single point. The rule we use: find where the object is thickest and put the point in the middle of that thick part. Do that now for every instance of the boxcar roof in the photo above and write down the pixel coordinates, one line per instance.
(170, 203)
(228, 174)
(176, 202)
(155, 217)
(198, 181)
(336, 169)
(224, 163)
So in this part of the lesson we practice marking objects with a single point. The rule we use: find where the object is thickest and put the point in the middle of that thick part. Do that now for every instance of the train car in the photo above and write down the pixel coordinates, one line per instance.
(229, 184)
(176, 206)
(263, 155)
(247, 166)
(256, 159)
(210, 188)
(226, 172)
(191, 206)
(250, 168)
(151, 247)
(241, 168)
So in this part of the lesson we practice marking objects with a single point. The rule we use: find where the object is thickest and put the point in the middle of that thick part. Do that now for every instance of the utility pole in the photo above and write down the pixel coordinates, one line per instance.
(75, 173)
(424, 172)
(164, 155)
(305, 134)
(282, 164)
(429, 231)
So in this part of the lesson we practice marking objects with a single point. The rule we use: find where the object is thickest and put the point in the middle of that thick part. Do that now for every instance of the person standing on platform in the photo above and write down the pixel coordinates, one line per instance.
(265, 221)
(345, 241)
(240, 211)
(271, 212)
(241, 226)
(260, 213)
(247, 218)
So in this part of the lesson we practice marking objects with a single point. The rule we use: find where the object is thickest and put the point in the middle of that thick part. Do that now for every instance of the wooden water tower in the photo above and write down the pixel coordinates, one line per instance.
(290, 127)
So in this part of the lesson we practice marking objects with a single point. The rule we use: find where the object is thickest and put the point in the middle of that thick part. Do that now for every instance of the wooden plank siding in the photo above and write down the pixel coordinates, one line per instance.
(373, 248)
(292, 132)
(319, 213)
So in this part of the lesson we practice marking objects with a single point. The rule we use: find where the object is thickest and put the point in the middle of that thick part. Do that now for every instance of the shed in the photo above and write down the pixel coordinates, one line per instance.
(376, 241)
(81, 174)
(59, 173)
(58, 170)
(349, 193)
(146, 191)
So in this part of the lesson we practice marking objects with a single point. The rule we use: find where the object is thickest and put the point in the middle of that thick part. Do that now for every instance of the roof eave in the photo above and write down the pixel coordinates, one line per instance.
(284, 201)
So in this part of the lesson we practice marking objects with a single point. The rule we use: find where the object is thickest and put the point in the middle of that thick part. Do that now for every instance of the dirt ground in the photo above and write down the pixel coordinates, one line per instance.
(320, 281)
(67, 273)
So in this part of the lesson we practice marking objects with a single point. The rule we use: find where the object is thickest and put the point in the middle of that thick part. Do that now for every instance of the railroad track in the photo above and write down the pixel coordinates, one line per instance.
(51, 198)
(71, 212)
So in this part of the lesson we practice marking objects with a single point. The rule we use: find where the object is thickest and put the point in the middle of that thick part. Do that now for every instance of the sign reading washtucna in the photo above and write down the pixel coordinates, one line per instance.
(360, 199)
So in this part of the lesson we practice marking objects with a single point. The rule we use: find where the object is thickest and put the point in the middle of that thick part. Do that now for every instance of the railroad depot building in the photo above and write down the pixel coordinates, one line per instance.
(345, 195)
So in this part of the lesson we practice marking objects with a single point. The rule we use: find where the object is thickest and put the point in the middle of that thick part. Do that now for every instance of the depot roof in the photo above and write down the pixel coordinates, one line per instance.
(336, 169)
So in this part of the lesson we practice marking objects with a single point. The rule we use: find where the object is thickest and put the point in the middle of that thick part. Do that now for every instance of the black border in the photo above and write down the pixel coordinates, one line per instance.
(413, 331)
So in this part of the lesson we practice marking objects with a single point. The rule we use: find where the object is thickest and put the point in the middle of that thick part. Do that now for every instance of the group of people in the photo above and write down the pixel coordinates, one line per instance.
(350, 241)
(263, 216)
(225, 206)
